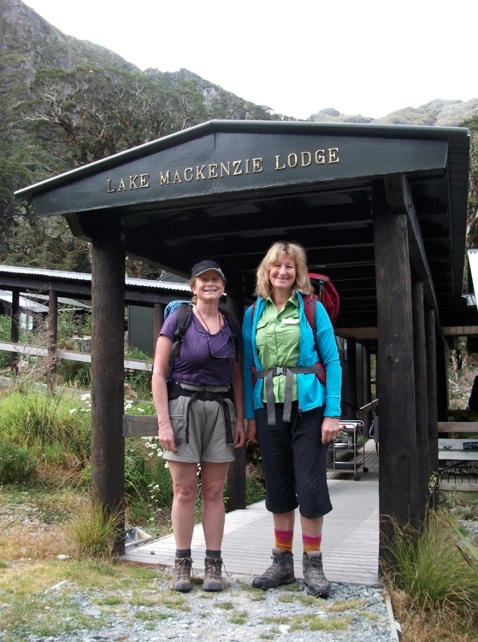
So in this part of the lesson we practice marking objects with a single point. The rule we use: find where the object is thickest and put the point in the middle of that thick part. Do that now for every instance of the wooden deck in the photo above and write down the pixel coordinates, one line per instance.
(350, 537)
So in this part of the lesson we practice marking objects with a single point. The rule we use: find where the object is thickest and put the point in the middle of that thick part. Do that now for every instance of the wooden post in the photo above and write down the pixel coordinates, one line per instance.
(351, 392)
(107, 374)
(52, 336)
(398, 498)
(442, 380)
(432, 432)
(421, 395)
(15, 329)
(158, 319)
(236, 476)
(367, 392)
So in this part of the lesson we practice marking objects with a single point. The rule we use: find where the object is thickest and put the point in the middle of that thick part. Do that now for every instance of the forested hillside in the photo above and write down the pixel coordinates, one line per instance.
(65, 103)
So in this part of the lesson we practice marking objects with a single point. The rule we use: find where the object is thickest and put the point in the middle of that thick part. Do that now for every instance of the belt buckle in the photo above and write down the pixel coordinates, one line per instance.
(280, 370)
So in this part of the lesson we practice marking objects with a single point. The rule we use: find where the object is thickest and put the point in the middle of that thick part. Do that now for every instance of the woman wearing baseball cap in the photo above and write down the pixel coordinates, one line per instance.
(198, 397)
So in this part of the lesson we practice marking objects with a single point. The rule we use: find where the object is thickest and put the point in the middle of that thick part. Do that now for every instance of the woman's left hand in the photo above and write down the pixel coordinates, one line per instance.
(240, 435)
(330, 429)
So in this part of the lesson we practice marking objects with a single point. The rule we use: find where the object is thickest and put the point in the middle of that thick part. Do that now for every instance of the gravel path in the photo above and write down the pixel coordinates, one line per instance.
(353, 613)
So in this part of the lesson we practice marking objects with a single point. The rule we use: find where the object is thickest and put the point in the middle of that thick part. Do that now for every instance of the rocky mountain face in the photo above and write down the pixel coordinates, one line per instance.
(28, 42)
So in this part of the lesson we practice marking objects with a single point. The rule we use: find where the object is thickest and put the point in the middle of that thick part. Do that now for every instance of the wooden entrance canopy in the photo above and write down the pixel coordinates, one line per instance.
(380, 209)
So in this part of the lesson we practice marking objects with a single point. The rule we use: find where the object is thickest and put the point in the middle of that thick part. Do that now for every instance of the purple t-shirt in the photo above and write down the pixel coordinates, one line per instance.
(204, 359)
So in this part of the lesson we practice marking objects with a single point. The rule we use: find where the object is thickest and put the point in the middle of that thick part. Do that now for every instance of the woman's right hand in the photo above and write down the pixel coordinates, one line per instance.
(166, 436)
(251, 431)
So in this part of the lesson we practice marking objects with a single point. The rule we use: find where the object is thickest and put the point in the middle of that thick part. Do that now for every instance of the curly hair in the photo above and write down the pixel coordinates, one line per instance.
(298, 254)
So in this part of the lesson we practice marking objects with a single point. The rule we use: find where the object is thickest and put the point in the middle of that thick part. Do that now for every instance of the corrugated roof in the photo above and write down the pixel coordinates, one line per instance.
(63, 275)
(24, 303)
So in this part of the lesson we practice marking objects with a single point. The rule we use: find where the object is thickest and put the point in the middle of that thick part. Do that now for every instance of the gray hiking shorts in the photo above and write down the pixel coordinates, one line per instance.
(207, 430)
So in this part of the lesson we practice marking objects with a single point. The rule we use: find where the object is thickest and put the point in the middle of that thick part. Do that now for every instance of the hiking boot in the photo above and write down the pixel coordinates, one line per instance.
(317, 584)
(280, 572)
(181, 577)
(213, 580)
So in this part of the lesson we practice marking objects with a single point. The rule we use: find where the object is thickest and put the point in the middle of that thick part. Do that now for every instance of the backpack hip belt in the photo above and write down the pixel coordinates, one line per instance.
(288, 372)
(204, 393)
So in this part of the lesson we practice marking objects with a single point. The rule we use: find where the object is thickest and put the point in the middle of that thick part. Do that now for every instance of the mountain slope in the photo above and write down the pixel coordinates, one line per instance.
(436, 113)
(28, 42)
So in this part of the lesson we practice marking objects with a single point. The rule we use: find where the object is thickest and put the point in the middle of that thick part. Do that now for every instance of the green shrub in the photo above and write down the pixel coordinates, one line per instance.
(74, 372)
(138, 380)
(255, 489)
(37, 420)
(146, 476)
(16, 465)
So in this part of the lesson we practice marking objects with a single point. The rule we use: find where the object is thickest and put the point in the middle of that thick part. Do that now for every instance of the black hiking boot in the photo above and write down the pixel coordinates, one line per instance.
(213, 580)
(280, 572)
(317, 584)
(181, 577)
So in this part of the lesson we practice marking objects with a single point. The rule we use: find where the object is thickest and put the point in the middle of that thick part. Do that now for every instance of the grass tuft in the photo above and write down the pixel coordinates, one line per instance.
(94, 532)
(434, 581)
(430, 566)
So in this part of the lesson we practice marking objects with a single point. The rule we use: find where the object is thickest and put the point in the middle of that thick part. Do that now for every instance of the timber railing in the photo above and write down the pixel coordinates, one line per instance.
(71, 355)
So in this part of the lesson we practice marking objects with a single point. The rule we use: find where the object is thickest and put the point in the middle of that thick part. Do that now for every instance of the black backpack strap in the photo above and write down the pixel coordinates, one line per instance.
(184, 319)
(236, 332)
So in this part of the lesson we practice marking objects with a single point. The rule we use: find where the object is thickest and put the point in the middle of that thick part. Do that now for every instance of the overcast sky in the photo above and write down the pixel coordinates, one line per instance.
(368, 57)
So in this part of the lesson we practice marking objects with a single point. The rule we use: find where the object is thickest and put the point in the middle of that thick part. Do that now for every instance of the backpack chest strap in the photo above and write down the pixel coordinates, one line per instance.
(287, 371)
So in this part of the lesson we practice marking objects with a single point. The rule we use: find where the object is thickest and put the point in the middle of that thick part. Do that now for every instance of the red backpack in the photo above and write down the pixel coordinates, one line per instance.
(325, 292)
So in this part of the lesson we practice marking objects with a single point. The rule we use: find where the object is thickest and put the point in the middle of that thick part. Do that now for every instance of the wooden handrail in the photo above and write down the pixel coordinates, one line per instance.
(457, 426)
(140, 426)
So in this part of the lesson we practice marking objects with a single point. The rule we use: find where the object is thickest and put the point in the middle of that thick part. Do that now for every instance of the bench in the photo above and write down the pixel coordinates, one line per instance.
(452, 453)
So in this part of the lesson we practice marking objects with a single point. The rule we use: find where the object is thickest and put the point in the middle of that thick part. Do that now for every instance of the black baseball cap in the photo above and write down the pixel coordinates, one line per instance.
(204, 266)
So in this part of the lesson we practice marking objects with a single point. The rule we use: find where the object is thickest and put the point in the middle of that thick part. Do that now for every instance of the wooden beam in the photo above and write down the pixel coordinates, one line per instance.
(140, 426)
(68, 355)
(457, 426)
(400, 200)
(107, 375)
(360, 334)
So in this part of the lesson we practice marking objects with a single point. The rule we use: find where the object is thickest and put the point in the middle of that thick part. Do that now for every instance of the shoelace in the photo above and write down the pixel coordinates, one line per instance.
(218, 568)
(183, 569)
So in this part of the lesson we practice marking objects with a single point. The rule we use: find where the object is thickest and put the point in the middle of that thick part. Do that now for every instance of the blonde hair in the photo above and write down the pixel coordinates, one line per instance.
(298, 254)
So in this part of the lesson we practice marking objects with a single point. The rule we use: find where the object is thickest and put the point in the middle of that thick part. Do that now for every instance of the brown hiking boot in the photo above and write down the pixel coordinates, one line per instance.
(280, 572)
(181, 577)
(317, 584)
(213, 580)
